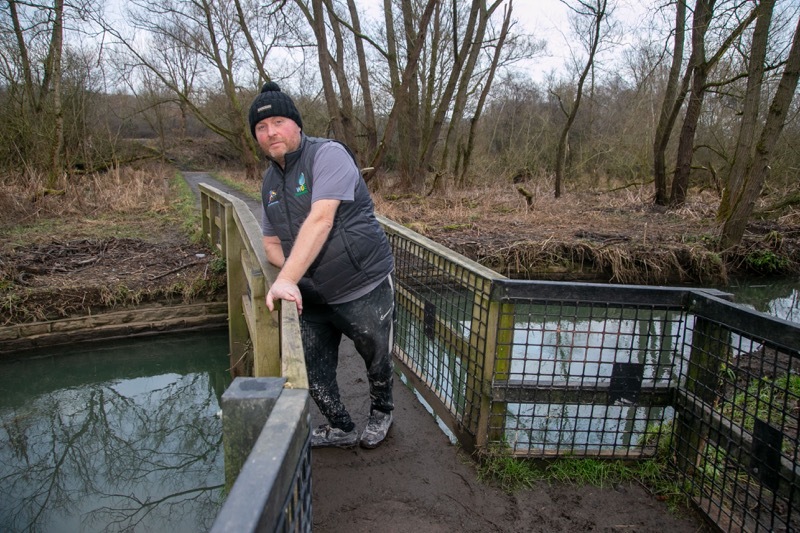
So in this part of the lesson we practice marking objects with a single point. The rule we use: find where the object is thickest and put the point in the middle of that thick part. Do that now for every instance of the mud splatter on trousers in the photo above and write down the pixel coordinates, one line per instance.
(369, 322)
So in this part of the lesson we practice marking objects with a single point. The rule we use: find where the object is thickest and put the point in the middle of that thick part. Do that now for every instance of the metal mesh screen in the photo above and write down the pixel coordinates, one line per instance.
(736, 433)
(583, 379)
(548, 369)
(441, 329)
(297, 516)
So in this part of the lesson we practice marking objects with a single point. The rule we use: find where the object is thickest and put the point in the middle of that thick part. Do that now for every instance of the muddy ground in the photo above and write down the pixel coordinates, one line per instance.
(418, 482)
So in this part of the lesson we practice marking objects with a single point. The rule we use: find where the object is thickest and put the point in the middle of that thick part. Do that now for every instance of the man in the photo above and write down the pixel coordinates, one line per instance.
(319, 229)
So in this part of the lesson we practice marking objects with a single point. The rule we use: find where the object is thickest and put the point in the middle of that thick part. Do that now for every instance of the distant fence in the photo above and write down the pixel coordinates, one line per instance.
(547, 370)
(266, 421)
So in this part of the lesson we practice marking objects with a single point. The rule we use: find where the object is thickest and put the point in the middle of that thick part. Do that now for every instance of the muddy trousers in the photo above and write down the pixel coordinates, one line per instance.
(369, 322)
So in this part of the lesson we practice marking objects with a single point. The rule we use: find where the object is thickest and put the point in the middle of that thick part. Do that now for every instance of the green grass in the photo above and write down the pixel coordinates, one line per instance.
(594, 472)
(184, 208)
(512, 474)
(507, 472)
(253, 190)
(764, 399)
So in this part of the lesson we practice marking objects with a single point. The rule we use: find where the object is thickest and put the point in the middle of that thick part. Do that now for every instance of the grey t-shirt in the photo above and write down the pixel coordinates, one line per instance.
(335, 178)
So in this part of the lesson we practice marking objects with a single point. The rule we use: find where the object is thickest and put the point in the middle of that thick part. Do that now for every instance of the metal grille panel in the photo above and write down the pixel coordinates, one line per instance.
(546, 370)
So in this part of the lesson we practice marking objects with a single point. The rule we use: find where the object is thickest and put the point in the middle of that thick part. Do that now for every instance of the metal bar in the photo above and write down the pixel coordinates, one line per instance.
(655, 395)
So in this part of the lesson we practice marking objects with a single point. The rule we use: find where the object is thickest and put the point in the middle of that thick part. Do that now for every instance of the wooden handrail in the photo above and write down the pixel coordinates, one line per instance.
(271, 339)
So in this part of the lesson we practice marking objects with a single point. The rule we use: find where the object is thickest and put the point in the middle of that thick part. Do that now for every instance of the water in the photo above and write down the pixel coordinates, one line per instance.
(574, 345)
(780, 299)
(114, 437)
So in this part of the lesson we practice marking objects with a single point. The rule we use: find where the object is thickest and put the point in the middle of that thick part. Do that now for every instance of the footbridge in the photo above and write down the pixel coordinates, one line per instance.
(530, 369)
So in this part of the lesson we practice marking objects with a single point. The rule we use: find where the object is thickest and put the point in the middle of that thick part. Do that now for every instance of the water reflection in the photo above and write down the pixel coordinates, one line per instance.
(119, 438)
(780, 299)
(559, 347)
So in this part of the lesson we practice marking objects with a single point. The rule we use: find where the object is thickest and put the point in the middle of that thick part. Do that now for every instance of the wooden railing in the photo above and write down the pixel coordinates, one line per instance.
(262, 344)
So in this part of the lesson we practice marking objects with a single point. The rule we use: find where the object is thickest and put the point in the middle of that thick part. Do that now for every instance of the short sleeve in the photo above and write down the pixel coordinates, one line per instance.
(266, 227)
(335, 174)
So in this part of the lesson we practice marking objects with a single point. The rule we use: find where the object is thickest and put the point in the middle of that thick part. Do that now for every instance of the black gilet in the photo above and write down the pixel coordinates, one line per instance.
(356, 253)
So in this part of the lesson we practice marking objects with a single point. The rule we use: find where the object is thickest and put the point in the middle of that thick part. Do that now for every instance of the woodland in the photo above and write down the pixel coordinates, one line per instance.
(687, 113)
(663, 149)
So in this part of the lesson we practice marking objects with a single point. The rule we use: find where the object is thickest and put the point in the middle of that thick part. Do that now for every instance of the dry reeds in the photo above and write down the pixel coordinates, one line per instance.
(618, 236)
(24, 198)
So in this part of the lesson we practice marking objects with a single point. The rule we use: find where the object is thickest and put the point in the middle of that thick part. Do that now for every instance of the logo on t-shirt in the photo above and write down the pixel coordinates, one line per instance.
(301, 186)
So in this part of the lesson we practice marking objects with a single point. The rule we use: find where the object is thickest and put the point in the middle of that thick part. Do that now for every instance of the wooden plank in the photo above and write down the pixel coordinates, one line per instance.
(629, 453)
(238, 333)
(251, 259)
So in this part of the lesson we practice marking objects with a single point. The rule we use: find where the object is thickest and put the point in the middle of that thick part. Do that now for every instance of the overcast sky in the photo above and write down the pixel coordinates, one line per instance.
(548, 20)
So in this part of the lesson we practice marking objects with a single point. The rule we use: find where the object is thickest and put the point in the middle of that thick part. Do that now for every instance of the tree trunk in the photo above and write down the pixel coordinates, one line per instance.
(460, 57)
(598, 12)
(410, 70)
(484, 94)
(742, 208)
(669, 107)
(408, 129)
(325, 65)
(466, 75)
(370, 126)
(25, 63)
(346, 104)
(700, 68)
(743, 154)
(703, 11)
(54, 70)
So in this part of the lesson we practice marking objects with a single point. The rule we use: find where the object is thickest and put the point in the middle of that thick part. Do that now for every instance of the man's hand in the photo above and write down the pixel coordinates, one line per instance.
(283, 289)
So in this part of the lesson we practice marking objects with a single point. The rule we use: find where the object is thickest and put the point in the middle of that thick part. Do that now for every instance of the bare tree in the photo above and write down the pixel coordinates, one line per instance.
(466, 151)
(227, 42)
(700, 66)
(438, 60)
(751, 167)
(670, 106)
(34, 49)
(589, 19)
(401, 82)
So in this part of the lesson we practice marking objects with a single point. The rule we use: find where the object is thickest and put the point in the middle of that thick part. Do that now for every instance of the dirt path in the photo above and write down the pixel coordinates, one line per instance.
(417, 481)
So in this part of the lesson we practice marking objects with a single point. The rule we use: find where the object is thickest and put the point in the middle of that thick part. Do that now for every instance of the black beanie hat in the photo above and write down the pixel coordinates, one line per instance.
(271, 102)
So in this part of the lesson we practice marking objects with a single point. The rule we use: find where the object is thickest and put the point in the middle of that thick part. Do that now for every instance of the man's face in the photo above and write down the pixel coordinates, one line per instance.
(278, 136)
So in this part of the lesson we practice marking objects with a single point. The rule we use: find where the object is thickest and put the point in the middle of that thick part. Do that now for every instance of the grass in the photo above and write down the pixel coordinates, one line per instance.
(238, 181)
(507, 472)
(512, 474)
(767, 400)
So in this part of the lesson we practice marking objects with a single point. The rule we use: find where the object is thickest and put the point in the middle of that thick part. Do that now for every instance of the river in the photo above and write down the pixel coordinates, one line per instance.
(115, 436)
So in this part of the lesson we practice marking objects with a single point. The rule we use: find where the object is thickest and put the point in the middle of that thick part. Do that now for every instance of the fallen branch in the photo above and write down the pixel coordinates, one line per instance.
(187, 265)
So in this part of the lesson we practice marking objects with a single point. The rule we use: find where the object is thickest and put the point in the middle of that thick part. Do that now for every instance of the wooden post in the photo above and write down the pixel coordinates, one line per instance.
(240, 346)
(499, 333)
(263, 325)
